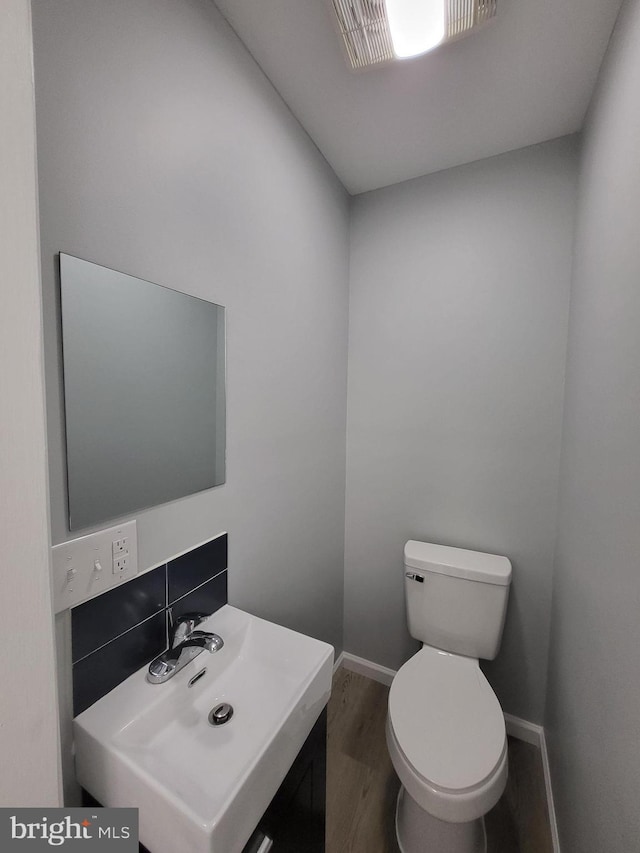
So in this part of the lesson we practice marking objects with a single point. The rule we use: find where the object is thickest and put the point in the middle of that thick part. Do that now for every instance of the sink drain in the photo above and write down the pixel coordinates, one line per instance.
(221, 714)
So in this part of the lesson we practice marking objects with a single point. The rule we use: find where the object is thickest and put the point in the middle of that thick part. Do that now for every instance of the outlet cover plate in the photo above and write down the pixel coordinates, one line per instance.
(85, 554)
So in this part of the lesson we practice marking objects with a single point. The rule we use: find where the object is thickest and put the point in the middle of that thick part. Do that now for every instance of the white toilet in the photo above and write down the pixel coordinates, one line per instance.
(445, 728)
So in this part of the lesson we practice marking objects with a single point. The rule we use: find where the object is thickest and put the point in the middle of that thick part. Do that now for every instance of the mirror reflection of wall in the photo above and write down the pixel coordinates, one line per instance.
(144, 387)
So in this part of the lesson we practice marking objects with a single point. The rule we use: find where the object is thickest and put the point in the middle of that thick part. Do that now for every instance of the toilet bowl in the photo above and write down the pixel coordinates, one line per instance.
(448, 745)
(445, 728)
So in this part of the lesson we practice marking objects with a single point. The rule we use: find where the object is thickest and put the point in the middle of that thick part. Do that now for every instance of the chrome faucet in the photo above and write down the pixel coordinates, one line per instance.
(185, 644)
(184, 626)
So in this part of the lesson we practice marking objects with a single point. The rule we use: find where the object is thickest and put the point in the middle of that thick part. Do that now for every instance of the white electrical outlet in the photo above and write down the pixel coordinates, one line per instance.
(120, 546)
(120, 555)
(81, 566)
(121, 563)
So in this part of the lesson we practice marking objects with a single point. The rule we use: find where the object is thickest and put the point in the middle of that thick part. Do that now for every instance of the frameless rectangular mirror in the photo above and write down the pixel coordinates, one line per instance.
(144, 392)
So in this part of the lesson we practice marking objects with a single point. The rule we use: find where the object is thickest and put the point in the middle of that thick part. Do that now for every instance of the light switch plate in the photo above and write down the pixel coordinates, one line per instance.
(86, 566)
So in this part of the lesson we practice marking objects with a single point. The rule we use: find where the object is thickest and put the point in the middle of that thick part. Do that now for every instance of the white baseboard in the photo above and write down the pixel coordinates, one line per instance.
(338, 662)
(534, 734)
(516, 727)
(524, 730)
(366, 667)
(553, 823)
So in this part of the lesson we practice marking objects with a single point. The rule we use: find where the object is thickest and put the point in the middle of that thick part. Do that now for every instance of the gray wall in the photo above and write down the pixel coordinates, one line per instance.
(457, 338)
(593, 710)
(165, 153)
(29, 768)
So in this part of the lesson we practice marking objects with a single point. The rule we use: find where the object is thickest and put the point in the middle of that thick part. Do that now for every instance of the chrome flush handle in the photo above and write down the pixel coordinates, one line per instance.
(414, 577)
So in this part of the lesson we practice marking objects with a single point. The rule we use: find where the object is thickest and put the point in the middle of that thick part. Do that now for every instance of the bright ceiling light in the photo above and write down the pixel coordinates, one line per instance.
(367, 26)
(416, 26)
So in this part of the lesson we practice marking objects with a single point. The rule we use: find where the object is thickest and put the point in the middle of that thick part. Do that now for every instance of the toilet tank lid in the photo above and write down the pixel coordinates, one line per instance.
(458, 562)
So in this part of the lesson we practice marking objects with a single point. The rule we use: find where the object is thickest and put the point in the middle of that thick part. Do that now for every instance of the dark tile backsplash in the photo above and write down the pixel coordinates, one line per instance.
(115, 634)
(190, 570)
(103, 670)
(106, 617)
(205, 599)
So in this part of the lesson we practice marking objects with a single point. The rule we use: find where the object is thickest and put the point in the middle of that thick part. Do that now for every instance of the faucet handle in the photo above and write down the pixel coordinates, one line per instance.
(183, 626)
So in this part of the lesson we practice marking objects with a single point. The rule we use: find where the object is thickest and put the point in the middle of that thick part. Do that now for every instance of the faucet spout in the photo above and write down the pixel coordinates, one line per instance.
(166, 665)
(197, 640)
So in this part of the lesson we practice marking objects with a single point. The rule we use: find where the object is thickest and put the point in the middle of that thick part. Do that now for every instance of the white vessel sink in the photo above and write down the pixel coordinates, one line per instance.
(203, 788)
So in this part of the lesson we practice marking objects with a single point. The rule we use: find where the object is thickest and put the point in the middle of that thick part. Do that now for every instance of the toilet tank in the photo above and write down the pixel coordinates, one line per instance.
(456, 599)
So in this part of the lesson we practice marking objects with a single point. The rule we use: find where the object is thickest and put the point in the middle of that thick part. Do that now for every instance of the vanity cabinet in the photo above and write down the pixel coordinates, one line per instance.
(295, 819)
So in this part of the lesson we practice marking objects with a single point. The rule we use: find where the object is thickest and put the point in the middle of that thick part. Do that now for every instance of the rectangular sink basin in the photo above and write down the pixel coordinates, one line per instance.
(202, 788)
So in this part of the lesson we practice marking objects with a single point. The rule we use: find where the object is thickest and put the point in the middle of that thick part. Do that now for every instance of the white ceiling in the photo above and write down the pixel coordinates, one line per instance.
(525, 77)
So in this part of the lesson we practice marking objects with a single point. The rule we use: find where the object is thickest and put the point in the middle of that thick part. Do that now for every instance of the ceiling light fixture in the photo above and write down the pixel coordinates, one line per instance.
(377, 32)
(416, 26)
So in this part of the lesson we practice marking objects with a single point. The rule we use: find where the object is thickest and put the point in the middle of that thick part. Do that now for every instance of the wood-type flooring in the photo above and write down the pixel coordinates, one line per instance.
(362, 785)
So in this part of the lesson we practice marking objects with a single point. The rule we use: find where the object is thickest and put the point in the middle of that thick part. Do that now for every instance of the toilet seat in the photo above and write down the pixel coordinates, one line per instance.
(446, 735)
